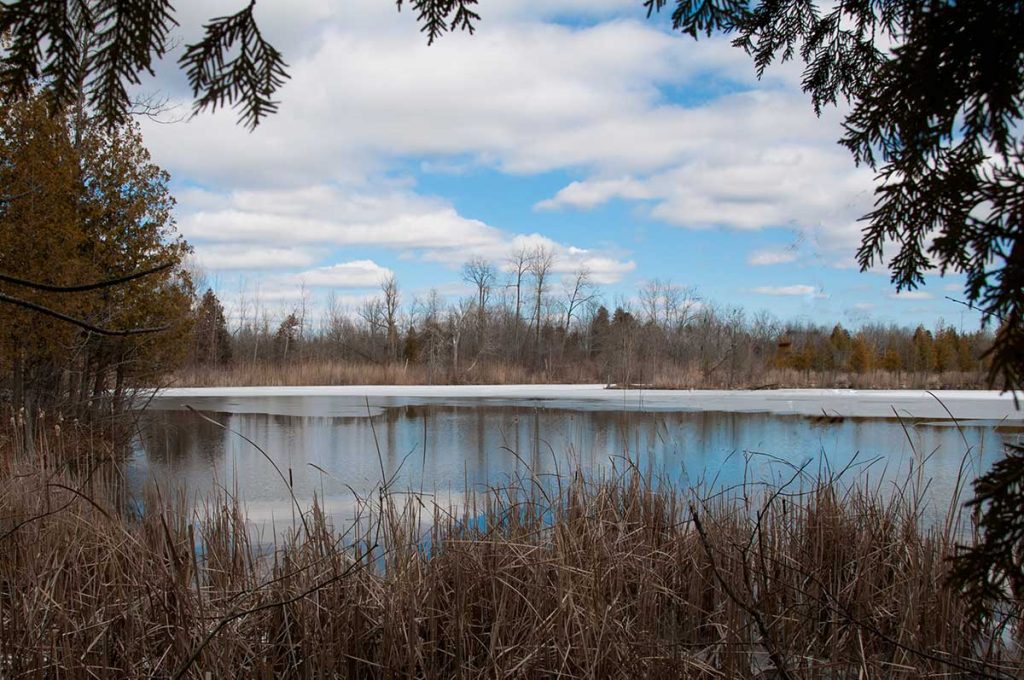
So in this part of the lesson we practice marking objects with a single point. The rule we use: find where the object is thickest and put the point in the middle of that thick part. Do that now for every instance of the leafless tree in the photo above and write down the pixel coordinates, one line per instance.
(667, 304)
(518, 266)
(458, 315)
(372, 313)
(389, 288)
(541, 262)
(482, 274)
(579, 291)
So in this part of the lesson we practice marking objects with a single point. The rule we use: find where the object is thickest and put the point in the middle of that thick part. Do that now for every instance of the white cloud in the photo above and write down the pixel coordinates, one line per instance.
(524, 95)
(604, 267)
(762, 258)
(333, 215)
(354, 274)
(264, 223)
(742, 173)
(799, 290)
(590, 194)
(220, 256)
(864, 306)
(911, 295)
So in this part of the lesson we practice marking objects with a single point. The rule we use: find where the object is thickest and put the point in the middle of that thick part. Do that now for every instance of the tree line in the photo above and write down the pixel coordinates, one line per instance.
(523, 321)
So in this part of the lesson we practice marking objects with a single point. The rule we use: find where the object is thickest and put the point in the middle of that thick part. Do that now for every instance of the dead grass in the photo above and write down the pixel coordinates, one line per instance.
(608, 578)
(344, 373)
(501, 373)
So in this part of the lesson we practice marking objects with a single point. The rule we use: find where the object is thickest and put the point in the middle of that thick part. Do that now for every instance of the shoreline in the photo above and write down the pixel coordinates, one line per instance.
(843, 403)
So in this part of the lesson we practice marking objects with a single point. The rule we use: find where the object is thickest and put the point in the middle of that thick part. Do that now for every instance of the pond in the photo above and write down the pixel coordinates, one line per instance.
(340, 444)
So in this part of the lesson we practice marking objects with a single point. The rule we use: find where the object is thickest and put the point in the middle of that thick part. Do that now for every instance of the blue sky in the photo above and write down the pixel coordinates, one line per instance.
(579, 125)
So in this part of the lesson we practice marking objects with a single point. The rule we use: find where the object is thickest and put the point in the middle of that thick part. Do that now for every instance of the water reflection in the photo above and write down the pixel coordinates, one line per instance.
(339, 449)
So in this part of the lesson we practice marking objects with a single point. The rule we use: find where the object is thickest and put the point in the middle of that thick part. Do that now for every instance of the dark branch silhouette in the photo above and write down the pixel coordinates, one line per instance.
(106, 283)
(41, 309)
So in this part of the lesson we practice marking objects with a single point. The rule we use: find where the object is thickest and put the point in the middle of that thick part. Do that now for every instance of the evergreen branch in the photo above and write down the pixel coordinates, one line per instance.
(247, 80)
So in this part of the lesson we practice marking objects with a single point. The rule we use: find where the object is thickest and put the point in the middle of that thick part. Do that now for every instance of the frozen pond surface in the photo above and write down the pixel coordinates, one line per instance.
(447, 440)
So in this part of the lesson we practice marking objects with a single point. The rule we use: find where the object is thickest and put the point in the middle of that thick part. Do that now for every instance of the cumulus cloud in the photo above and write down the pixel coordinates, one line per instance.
(221, 256)
(249, 228)
(595, 99)
(586, 95)
(354, 274)
(327, 214)
(590, 194)
(747, 167)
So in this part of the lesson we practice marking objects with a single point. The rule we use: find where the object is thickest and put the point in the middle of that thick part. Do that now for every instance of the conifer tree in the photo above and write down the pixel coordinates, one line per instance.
(211, 339)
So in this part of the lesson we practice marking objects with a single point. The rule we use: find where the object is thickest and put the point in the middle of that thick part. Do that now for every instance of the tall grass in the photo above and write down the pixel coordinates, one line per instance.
(326, 372)
(568, 577)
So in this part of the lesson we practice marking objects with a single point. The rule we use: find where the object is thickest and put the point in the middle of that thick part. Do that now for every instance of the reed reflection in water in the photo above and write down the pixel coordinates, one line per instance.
(329, 447)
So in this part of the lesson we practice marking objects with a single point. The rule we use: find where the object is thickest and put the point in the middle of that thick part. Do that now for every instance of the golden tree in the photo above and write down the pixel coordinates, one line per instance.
(78, 204)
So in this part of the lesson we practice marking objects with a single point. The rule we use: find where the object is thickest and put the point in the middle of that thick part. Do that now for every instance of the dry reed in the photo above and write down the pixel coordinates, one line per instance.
(325, 372)
(606, 578)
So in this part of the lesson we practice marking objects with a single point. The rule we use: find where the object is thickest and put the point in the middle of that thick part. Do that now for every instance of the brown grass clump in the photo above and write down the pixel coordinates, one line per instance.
(607, 578)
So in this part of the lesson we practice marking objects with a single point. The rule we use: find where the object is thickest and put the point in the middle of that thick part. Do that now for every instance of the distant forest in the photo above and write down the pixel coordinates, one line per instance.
(519, 326)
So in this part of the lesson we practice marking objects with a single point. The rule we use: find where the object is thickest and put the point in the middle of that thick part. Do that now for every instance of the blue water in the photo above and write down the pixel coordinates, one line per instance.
(342, 448)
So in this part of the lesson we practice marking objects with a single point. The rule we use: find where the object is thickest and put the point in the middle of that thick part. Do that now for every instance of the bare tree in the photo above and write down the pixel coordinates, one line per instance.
(389, 287)
(679, 304)
(458, 314)
(304, 305)
(649, 297)
(518, 266)
(667, 304)
(372, 312)
(579, 291)
(541, 261)
(482, 274)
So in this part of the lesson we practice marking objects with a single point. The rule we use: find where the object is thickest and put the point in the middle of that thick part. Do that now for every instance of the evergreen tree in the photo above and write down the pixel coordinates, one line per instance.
(411, 349)
(862, 358)
(287, 336)
(211, 339)
(923, 346)
(84, 203)
(599, 327)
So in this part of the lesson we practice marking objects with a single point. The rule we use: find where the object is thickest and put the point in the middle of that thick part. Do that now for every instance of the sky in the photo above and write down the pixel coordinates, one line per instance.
(580, 125)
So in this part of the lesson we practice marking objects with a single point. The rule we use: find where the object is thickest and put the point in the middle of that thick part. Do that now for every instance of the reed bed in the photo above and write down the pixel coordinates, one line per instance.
(326, 372)
(557, 577)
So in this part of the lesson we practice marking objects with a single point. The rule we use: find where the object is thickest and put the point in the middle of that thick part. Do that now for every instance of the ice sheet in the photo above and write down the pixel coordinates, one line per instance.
(962, 404)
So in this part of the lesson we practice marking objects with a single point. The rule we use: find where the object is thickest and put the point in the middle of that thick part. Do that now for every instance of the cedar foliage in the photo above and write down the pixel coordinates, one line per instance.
(211, 339)
(85, 203)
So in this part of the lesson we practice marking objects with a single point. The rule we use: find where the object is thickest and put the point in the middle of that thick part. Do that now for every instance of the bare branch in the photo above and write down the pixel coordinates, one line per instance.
(106, 283)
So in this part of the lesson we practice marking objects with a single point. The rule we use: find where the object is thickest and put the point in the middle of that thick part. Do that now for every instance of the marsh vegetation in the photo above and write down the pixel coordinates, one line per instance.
(819, 575)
